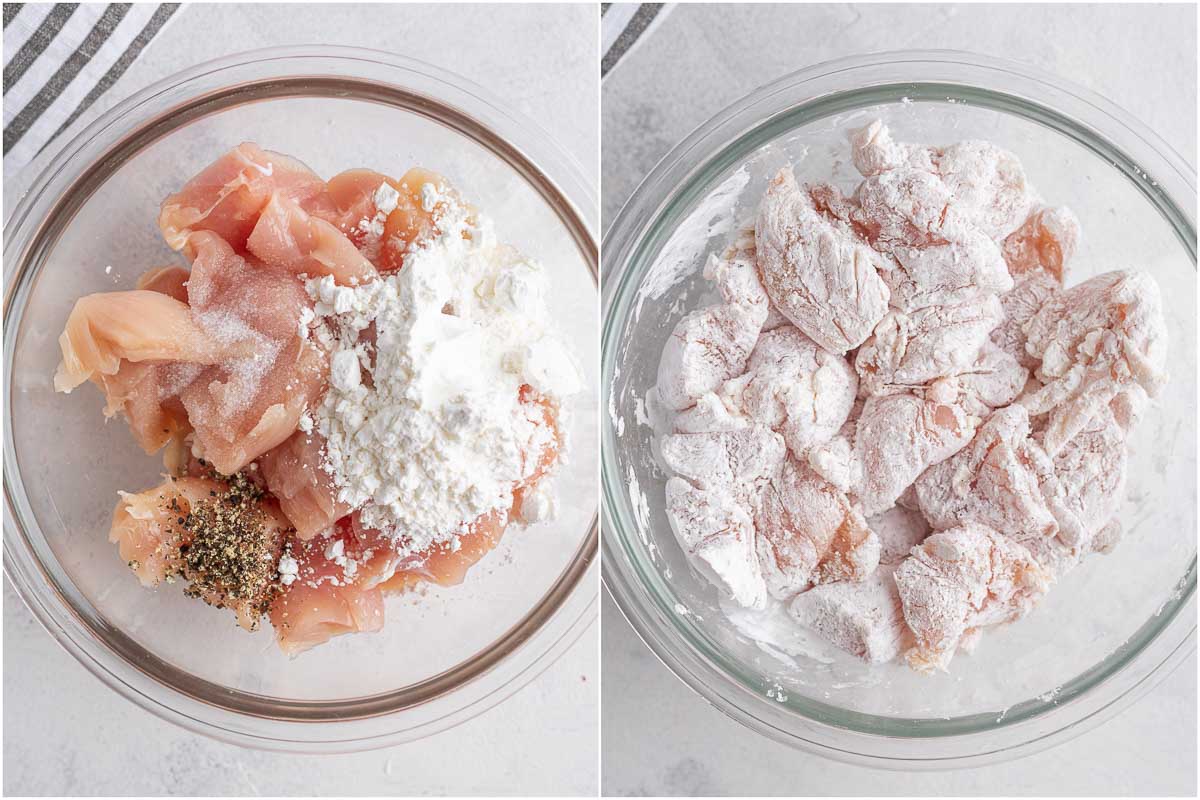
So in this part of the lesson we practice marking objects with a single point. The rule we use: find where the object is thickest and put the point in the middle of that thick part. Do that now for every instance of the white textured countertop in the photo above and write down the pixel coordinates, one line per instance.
(659, 737)
(66, 734)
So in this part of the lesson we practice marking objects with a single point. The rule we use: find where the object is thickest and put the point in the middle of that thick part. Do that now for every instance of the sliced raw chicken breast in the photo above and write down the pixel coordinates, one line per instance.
(169, 280)
(244, 407)
(335, 590)
(145, 527)
(227, 196)
(414, 218)
(290, 239)
(148, 530)
(304, 490)
(107, 328)
(348, 202)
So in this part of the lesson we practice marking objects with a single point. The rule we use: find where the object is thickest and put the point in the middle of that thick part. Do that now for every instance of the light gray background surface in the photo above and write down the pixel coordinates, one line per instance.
(67, 734)
(660, 738)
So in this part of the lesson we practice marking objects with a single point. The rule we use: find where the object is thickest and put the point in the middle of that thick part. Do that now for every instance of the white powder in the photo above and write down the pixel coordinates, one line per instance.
(437, 436)
(289, 569)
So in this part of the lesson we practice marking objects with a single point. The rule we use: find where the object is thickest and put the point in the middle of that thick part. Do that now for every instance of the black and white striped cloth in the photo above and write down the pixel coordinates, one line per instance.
(59, 58)
(625, 25)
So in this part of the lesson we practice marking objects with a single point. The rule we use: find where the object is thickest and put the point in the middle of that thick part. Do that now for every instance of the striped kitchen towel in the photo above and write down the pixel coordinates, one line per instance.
(59, 58)
(625, 25)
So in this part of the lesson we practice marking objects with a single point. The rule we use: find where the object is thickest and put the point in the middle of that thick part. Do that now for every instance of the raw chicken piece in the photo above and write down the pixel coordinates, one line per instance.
(810, 533)
(287, 238)
(107, 329)
(797, 388)
(348, 203)
(717, 534)
(909, 350)
(227, 196)
(243, 407)
(899, 436)
(1094, 340)
(306, 493)
(421, 201)
(959, 581)
(864, 619)
(320, 604)
(446, 564)
(817, 272)
(147, 395)
(1032, 292)
(343, 575)
(1047, 240)
(712, 345)
(738, 461)
(899, 530)
(145, 527)
(169, 280)
(150, 535)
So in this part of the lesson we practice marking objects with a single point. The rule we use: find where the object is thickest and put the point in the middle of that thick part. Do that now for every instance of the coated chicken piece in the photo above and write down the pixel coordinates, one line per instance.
(967, 266)
(959, 581)
(717, 534)
(1025, 299)
(739, 461)
(873, 150)
(1095, 340)
(810, 533)
(1006, 481)
(711, 345)
(987, 186)
(795, 387)
(865, 619)
(1091, 469)
(817, 272)
(910, 350)
(899, 530)
(994, 380)
(1047, 240)
(899, 436)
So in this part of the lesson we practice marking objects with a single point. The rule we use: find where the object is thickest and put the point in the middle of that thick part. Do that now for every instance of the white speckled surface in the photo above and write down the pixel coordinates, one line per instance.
(658, 737)
(66, 734)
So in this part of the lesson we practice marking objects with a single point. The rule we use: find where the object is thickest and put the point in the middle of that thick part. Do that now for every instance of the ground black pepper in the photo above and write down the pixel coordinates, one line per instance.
(229, 549)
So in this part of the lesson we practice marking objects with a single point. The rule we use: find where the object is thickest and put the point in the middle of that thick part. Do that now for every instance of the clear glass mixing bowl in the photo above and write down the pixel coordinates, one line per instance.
(1111, 628)
(445, 654)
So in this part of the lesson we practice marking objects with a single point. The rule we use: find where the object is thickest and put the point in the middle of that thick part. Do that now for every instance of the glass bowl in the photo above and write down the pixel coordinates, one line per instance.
(88, 224)
(1111, 628)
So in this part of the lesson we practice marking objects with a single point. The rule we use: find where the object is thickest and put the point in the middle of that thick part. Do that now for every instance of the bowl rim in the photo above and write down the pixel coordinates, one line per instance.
(439, 702)
(679, 177)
